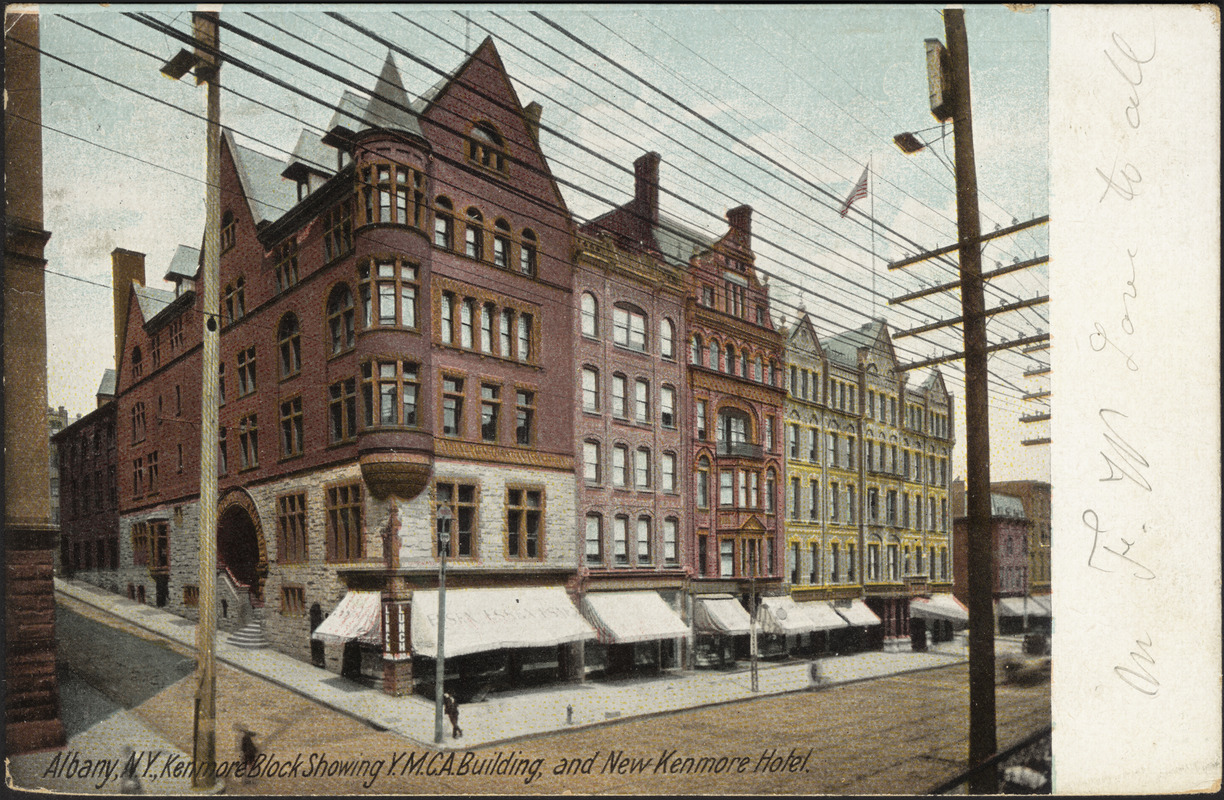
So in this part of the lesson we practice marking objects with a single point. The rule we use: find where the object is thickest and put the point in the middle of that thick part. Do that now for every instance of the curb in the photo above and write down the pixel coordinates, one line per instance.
(954, 660)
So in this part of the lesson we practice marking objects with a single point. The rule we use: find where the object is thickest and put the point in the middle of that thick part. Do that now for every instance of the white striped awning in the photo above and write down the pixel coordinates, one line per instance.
(822, 615)
(782, 615)
(720, 613)
(940, 606)
(1043, 605)
(358, 616)
(625, 617)
(479, 620)
(857, 614)
(1018, 607)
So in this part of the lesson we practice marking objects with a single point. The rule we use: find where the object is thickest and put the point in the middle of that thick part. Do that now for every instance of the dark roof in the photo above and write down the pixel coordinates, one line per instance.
(843, 348)
(184, 264)
(678, 243)
(310, 154)
(151, 301)
(269, 195)
(387, 107)
(109, 383)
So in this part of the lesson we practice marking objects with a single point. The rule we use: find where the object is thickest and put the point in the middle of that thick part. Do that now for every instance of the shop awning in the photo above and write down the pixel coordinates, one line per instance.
(1018, 607)
(1040, 606)
(940, 606)
(720, 613)
(479, 620)
(857, 614)
(358, 616)
(782, 615)
(822, 615)
(624, 617)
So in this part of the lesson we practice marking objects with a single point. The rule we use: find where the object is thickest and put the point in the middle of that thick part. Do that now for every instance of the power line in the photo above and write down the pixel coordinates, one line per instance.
(278, 148)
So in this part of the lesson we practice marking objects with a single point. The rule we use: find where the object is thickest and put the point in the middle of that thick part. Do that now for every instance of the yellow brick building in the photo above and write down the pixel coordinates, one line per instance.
(868, 452)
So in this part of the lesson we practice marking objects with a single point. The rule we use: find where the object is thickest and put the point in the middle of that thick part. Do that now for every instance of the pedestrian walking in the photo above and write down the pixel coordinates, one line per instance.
(452, 713)
(249, 754)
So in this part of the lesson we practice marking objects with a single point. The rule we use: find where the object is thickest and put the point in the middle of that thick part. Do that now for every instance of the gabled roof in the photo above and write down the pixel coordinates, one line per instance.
(185, 263)
(151, 301)
(804, 323)
(310, 154)
(934, 380)
(268, 194)
(843, 348)
(109, 383)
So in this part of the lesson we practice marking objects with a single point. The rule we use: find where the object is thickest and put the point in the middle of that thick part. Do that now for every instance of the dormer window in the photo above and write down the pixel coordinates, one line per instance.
(486, 147)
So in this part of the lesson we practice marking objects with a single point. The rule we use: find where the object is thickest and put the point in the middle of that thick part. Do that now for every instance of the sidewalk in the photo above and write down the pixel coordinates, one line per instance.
(508, 716)
(95, 755)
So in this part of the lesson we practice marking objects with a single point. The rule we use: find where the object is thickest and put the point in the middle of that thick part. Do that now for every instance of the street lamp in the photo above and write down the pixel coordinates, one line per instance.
(206, 63)
(444, 520)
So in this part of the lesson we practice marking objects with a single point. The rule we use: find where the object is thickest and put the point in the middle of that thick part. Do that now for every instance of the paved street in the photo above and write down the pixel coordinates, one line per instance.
(902, 733)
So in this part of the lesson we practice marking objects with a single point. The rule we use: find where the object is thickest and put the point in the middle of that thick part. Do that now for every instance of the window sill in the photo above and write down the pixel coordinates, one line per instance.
(290, 376)
(291, 457)
(631, 349)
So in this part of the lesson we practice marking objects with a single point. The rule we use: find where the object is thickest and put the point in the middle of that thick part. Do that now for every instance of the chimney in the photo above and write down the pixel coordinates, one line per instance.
(127, 266)
(531, 115)
(646, 188)
(740, 219)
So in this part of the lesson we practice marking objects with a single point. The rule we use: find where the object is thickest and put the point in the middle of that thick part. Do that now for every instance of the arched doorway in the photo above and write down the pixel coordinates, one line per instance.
(241, 549)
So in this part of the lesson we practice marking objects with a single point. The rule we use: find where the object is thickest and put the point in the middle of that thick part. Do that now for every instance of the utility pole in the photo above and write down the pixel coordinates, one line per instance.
(982, 739)
(206, 62)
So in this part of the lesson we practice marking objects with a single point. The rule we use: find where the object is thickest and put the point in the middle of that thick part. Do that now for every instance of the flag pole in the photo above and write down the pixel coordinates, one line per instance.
(871, 193)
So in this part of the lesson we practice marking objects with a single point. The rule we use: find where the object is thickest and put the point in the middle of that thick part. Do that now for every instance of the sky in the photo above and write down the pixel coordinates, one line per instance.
(779, 107)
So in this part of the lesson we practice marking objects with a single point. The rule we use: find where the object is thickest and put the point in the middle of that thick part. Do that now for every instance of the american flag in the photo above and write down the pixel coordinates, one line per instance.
(860, 191)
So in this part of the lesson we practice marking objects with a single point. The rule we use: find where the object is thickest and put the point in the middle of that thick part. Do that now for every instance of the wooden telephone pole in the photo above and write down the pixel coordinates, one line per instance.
(981, 568)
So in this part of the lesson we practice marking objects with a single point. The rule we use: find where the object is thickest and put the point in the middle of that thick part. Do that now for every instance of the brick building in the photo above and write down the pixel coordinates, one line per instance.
(733, 535)
(86, 452)
(867, 470)
(386, 300)
(1035, 496)
(632, 509)
(57, 420)
(1012, 531)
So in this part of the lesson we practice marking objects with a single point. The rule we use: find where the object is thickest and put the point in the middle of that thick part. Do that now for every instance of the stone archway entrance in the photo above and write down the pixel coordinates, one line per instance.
(241, 547)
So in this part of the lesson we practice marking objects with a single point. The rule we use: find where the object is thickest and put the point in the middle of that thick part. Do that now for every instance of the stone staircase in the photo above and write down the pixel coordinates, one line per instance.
(251, 636)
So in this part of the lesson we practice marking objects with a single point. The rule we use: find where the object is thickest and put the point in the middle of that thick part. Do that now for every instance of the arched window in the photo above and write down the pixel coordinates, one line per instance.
(729, 360)
(667, 338)
(137, 365)
(590, 315)
(714, 349)
(340, 318)
(501, 244)
(486, 147)
(757, 374)
(527, 253)
(743, 364)
(289, 337)
(473, 238)
(444, 224)
(696, 354)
